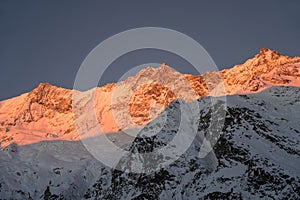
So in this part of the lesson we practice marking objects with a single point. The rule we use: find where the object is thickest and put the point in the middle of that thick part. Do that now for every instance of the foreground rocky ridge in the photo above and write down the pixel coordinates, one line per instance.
(256, 156)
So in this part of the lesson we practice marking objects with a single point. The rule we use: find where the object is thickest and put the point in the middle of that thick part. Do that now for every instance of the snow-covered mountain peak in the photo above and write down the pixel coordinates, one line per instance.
(265, 69)
(138, 99)
(51, 97)
(163, 68)
(268, 53)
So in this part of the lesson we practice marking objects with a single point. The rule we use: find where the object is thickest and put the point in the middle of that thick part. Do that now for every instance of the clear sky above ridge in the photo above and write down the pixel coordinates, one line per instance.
(47, 41)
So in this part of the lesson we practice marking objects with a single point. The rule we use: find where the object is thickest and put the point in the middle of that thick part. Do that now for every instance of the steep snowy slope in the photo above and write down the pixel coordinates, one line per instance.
(256, 156)
(257, 153)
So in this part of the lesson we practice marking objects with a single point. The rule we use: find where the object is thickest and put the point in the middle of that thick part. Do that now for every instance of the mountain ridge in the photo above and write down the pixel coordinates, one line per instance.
(48, 108)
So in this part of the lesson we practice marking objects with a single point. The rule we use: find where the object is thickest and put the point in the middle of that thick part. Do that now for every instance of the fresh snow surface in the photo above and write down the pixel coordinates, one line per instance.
(256, 157)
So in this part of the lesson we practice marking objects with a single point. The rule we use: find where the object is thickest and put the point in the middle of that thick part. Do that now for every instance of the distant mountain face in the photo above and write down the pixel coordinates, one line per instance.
(46, 113)
(266, 69)
(256, 157)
